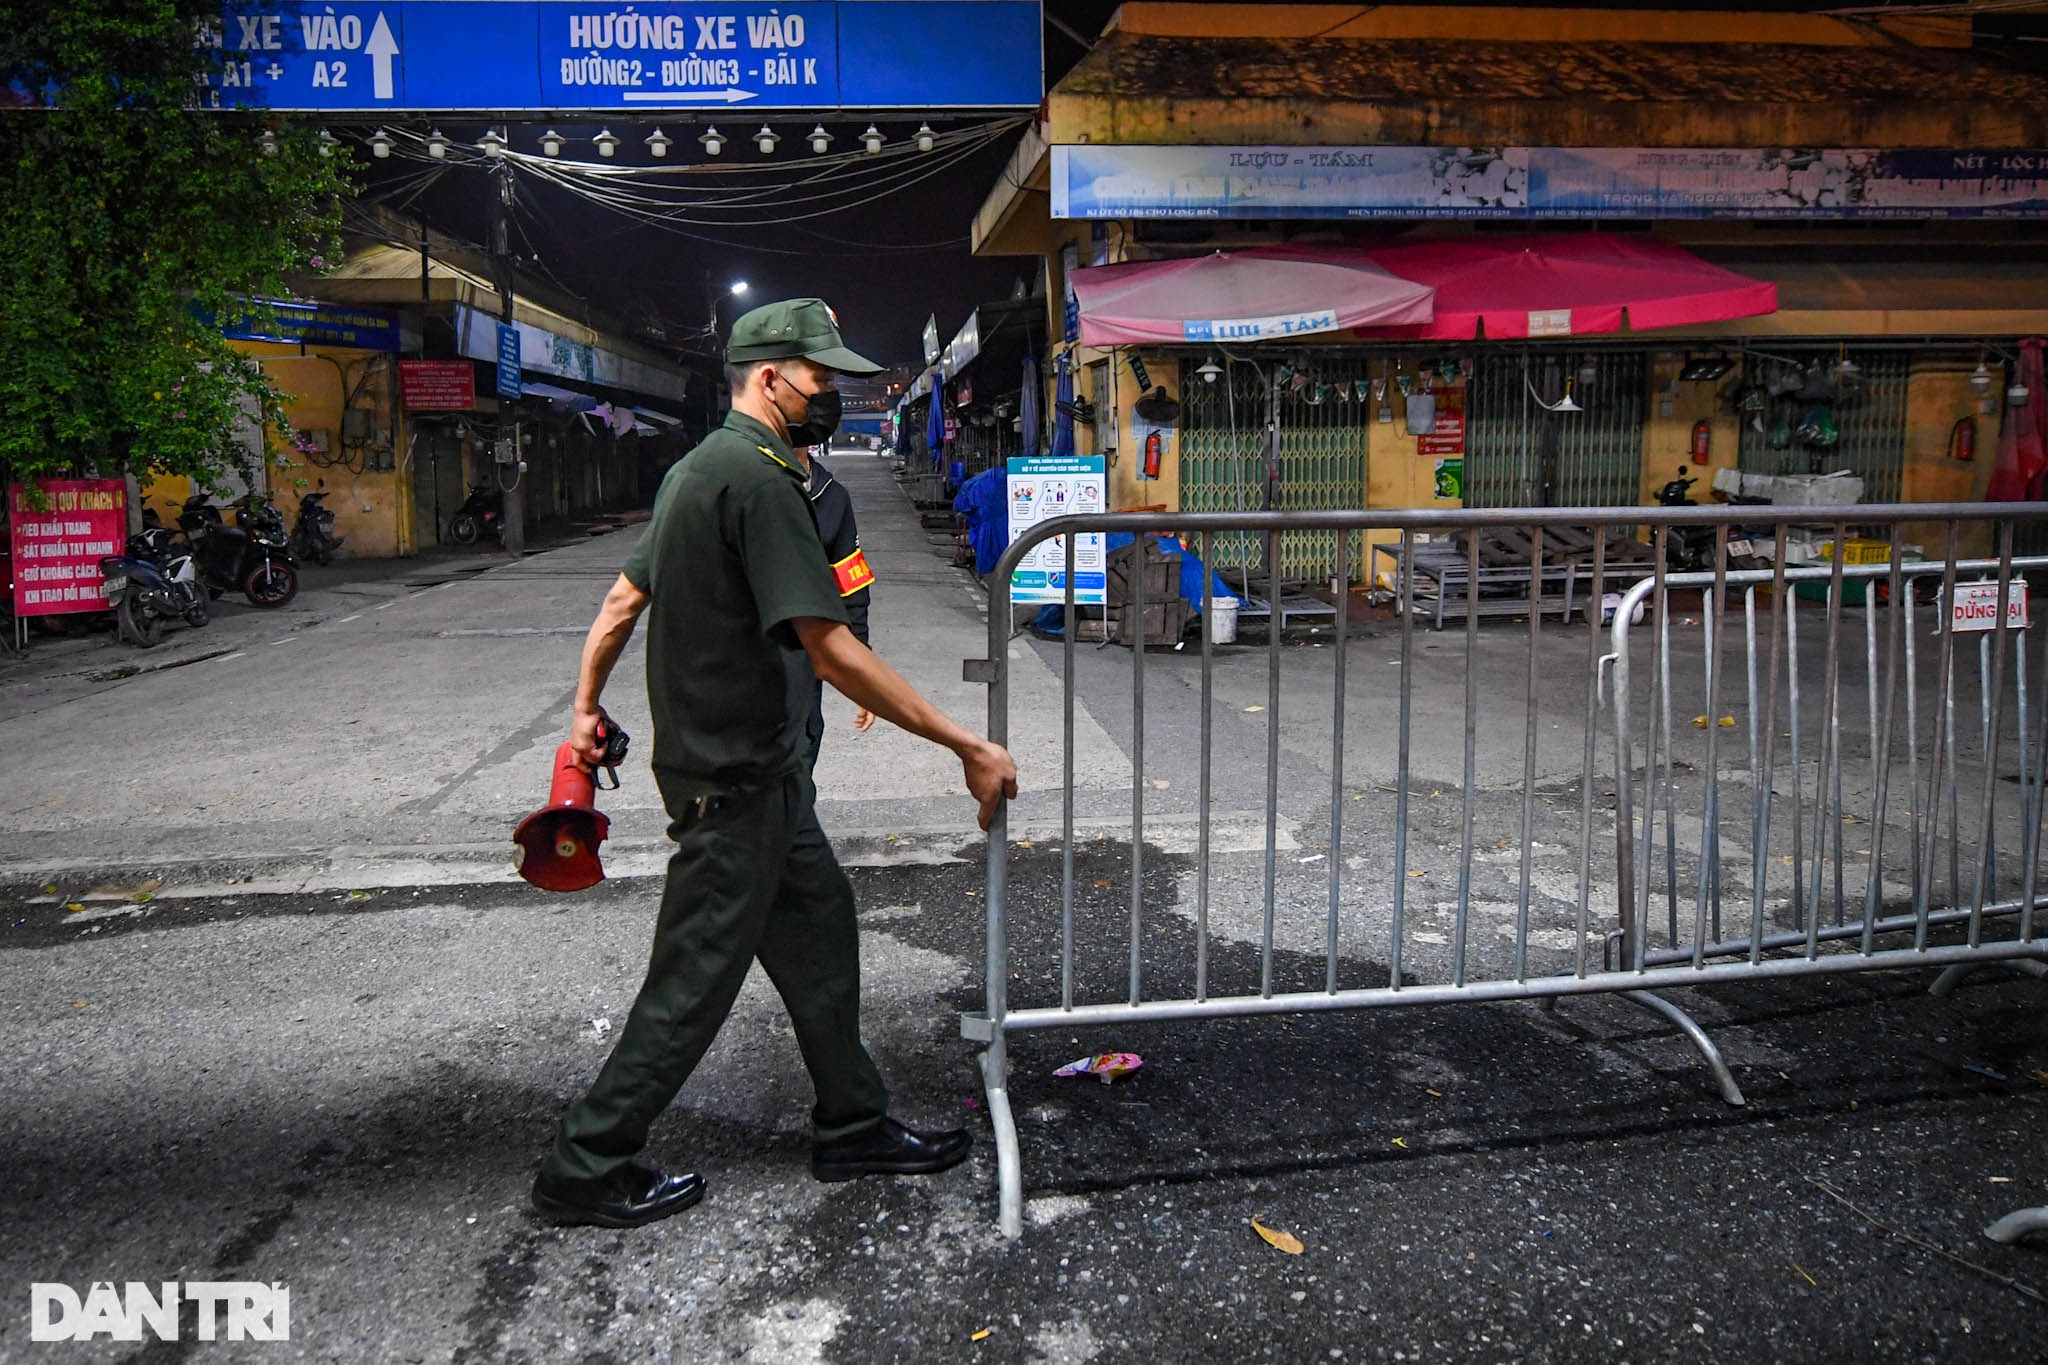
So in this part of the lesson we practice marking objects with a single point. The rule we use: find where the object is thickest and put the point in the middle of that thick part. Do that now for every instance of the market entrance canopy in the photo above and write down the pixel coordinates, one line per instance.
(1264, 294)
(1570, 284)
(543, 56)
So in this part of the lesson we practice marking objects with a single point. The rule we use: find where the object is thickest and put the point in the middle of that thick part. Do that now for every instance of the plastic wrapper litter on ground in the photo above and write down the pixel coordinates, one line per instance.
(1107, 1065)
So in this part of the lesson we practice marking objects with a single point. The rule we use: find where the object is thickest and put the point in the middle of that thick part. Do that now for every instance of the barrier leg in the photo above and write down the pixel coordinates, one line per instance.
(1723, 1077)
(995, 1075)
(2014, 1226)
(1951, 977)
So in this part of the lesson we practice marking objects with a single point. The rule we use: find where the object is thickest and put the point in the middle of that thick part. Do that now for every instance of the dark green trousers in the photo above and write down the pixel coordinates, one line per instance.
(752, 878)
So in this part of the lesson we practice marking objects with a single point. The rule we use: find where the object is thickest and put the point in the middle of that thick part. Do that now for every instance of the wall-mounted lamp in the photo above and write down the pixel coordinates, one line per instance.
(926, 138)
(437, 145)
(766, 140)
(493, 144)
(659, 142)
(821, 141)
(380, 144)
(712, 141)
(607, 142)
(872, 139)
(1210, 371)
(551, 143)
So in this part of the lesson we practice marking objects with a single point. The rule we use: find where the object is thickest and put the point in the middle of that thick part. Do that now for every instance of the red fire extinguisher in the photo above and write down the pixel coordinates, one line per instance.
(1155, 448)
(1702, 440)
(1962, 439)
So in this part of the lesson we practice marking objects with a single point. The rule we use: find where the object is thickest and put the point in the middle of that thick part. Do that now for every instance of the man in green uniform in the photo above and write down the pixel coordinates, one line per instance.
(743, 614)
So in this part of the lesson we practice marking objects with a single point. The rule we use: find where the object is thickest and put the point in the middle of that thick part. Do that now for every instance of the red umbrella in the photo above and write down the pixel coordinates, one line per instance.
(1262, 294)
(1569, 284)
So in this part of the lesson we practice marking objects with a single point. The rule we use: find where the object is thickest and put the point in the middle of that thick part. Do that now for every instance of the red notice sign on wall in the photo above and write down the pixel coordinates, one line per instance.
(1448, 440)
(437, 385)
(57, 548)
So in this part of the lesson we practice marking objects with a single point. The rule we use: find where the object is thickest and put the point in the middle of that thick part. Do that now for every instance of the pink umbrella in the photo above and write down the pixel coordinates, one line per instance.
(1570, 284)
(1263, 294)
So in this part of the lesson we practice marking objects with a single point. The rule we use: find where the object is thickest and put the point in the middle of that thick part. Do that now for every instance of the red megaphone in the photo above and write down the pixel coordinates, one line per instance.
(560, 840)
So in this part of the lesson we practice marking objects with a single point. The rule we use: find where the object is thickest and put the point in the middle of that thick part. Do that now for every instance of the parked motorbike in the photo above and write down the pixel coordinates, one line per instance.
(483, 514)
(154, 582)
(253, 555)
(313, 534)
(1690, 549)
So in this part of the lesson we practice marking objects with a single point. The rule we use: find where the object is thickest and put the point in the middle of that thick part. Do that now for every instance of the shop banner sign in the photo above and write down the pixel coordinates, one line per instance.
(437, 385)
(317, 324)
(1536, 183)
(57, 547)
(1042, 487)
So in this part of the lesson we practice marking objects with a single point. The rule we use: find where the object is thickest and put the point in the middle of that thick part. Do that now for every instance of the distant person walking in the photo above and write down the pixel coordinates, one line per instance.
(743, 616)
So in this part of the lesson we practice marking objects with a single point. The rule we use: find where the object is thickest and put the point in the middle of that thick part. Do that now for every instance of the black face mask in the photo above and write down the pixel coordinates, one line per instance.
(820, 420)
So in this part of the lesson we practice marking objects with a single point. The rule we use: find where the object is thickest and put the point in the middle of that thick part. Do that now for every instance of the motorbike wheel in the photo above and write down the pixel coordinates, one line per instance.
(137, 625)
(272, 584)
(463, 530)
(197, 615)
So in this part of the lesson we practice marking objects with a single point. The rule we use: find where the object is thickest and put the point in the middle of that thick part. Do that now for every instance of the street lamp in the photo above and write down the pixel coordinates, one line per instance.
(659, 142)
(739, 288)
(713, 140)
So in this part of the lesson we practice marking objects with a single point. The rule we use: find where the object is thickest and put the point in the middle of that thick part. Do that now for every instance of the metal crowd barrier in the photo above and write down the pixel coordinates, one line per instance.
(1836, 717)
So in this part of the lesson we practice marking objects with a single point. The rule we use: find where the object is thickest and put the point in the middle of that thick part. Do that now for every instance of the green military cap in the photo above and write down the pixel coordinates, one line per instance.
(795, 327)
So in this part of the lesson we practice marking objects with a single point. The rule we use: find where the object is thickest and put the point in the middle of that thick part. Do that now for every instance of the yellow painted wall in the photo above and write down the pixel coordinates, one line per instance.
(1396, 475)
(1667, 441)
(373, 509)
(1938, 394)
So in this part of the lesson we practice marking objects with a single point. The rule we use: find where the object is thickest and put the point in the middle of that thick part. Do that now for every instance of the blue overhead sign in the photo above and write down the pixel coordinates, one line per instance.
(549, 56)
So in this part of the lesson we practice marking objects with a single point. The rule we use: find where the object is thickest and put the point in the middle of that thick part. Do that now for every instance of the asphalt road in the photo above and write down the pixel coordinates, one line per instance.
(303, 1028)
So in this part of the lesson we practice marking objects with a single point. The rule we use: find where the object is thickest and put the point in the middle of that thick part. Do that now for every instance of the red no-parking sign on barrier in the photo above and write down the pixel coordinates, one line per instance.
(57, 546)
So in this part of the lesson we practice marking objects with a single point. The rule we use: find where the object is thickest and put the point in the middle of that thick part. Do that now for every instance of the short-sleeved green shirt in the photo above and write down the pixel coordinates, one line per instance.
(730, 559)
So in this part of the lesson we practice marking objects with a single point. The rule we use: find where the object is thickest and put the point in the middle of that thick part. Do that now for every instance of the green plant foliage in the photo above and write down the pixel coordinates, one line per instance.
(129, 218)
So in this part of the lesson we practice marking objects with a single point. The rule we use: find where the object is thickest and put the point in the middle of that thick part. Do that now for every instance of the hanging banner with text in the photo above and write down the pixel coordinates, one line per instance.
(57, 547)
(1042, 487)
(1544, 183)
(554, 56)
(437, 385)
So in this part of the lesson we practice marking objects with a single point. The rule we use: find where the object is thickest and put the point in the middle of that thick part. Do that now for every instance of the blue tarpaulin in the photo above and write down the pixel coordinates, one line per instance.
(984, 501)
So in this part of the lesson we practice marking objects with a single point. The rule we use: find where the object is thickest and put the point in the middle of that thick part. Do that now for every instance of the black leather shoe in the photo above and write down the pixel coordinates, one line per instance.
(889, 1149)
(628, 1198)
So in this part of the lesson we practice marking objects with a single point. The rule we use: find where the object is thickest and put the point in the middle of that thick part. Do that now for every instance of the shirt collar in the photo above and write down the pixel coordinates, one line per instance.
(762, 435)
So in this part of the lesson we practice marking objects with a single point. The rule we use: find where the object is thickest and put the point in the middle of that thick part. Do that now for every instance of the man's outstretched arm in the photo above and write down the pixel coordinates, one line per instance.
(601, 650)
(865, 680)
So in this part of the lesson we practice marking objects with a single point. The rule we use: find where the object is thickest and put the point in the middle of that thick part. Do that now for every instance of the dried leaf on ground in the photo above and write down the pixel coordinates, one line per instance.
(1279, 1241)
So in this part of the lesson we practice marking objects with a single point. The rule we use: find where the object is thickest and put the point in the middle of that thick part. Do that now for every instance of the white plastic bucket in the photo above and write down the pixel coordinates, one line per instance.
(1223, 620)
(1611, 603)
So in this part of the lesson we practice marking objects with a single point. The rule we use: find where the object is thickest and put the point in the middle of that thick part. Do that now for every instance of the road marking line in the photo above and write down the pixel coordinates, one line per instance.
(346, 619)
(225, 657)
(387, 606)
(285, 641)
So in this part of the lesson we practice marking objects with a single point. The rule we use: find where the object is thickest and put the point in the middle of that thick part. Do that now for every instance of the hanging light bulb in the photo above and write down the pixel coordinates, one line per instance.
(766, 140)
(551, 143)
(821, 140)
(873, 138)
(607, 142)
(381, 143)
(1980, 378)
(659, 142)
(1846, 369)
(712, 140)
(2018, 394)
(328, 142)
(437, 145)
(926, 138)
(1565, 404)
(267, 144)
(1210, 371)
(1589, 372)
(493, 143)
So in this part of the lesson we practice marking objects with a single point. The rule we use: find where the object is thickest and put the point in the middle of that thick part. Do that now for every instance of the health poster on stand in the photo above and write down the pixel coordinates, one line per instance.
(1041, 488)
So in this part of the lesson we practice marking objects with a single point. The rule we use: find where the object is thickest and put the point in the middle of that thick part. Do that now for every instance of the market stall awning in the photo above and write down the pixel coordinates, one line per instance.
(1570, 284)
(558, 398)
(1264, 294)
